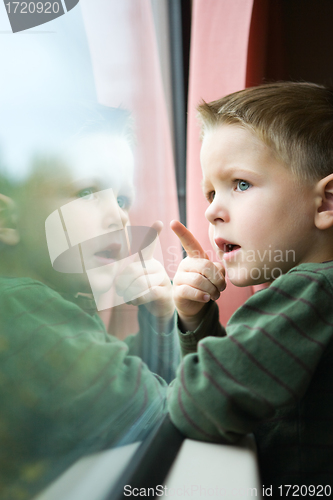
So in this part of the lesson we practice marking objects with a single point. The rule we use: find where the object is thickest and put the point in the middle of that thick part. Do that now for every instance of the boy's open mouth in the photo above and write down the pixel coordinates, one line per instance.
(226, 246)
(230, 247)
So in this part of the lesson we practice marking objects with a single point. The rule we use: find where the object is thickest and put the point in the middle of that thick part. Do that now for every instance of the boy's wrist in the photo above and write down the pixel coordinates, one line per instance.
(191, 323)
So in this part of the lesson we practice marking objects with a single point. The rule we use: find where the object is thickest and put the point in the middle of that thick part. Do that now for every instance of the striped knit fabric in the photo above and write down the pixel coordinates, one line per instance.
(272, 375)
(68, 388)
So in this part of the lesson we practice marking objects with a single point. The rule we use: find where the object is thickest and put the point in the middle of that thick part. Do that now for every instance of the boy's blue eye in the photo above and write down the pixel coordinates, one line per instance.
(123, 202)
(242, 185)
(87, 193)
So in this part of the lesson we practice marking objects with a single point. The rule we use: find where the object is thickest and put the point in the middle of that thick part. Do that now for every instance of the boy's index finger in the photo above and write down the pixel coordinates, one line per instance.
(188, 241)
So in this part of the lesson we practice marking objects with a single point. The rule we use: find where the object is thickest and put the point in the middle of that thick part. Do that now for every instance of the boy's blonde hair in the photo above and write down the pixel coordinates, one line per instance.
(294, 119)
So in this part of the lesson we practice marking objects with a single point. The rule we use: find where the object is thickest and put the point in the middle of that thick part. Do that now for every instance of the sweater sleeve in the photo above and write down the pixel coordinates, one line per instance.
(273, 346)
(209, 327)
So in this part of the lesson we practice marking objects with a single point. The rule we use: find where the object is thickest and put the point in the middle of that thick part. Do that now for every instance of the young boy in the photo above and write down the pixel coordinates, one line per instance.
(267, 162)
(68, 388)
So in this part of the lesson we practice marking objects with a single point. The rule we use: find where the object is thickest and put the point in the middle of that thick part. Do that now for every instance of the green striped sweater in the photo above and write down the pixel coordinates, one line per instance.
(270, 373)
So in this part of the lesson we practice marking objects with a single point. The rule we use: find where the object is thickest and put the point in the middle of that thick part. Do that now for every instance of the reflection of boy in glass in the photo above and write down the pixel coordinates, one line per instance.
(66, 386)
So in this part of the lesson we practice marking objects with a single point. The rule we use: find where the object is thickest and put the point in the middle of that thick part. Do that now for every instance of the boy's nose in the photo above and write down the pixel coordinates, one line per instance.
(115, 217)
(123, 216)
(217, 212)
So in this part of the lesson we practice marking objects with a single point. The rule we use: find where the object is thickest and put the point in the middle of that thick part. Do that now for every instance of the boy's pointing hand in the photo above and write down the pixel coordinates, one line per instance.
(197, 280)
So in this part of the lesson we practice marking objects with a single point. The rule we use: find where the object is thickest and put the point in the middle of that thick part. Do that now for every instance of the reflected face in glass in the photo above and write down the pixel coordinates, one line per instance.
(90, 189)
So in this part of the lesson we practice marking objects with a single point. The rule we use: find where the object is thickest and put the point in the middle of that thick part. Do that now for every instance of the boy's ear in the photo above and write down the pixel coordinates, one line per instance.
(324, 196)
(9, 234)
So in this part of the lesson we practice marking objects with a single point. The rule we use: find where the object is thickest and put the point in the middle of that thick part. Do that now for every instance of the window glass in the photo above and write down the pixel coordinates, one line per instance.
(87, 190)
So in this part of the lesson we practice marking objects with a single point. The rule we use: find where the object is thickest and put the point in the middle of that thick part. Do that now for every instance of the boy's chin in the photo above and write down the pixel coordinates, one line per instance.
(243, 278)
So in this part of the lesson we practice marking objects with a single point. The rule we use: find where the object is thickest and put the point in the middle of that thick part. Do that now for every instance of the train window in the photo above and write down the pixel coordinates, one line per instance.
(87, 190)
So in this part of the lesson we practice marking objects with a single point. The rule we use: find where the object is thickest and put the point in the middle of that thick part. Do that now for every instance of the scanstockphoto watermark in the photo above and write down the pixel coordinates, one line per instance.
(263, 273)
(193, 490)
(268, 257)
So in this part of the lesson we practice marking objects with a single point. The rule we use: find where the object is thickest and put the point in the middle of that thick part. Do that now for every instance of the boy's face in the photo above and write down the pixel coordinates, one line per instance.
(261, 217)
(93, 188)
